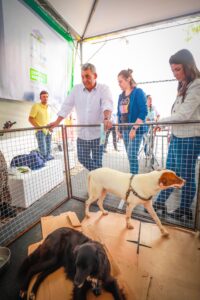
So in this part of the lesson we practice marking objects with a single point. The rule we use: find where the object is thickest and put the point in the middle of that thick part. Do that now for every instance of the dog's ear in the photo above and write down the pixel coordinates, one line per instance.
(165, 179)
(168, 179)
(76, 249)
(103, 264)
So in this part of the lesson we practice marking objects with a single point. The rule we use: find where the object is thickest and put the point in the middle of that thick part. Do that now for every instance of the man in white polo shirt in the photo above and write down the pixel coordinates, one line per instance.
(93, 104)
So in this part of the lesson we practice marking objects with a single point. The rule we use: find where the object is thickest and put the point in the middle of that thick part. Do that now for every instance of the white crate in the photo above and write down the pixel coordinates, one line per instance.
(29, 187)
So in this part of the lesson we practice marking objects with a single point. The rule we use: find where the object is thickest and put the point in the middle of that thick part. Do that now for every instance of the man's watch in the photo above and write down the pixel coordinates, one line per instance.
(133, 128)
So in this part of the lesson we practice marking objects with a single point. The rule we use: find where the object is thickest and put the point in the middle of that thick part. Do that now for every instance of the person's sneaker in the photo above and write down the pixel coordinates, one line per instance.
(6, 210)
(105, 151)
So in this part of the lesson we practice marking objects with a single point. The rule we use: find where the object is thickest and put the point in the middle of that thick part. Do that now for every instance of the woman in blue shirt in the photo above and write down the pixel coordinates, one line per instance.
(132, 108)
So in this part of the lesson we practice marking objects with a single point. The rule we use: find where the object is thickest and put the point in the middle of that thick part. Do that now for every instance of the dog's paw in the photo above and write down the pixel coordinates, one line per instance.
(129, 226)
(123, 289)
(165, 233)
(31, 296)
(105, 213)
(22, 294)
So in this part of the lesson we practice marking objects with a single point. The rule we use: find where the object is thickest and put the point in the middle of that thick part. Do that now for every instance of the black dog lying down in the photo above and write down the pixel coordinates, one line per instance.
(84, 260)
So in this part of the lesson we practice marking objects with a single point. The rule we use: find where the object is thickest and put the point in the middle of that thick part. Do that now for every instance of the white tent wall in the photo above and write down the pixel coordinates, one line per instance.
(22, 51)
(90, 18)
(147, 54)
(15, 111)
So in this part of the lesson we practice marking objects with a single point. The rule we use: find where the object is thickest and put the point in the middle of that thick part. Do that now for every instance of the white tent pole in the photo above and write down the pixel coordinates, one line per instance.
(81, 52)
(89, 18)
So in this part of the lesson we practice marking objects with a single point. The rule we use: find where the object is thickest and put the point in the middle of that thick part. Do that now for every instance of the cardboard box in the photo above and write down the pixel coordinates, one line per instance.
(151, 267)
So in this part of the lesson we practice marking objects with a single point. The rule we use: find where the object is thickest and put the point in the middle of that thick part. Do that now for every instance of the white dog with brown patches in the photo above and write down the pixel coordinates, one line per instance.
(134, 189)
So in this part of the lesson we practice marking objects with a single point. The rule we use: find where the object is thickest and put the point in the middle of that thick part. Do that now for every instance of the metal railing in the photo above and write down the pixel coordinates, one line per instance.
(32, 188)
(153, 154)
(37, 192)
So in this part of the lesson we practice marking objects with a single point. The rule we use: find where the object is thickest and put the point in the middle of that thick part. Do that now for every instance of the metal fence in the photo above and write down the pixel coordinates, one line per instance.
(29, 191)
(30, 187)
(157, 148)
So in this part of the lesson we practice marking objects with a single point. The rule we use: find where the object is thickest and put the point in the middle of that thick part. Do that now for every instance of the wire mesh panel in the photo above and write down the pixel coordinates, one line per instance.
(152, 148)
(86, 155)
(182, 156)
(31, 184)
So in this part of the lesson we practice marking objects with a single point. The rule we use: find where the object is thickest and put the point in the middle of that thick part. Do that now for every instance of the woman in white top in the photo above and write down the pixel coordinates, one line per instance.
(184, 146)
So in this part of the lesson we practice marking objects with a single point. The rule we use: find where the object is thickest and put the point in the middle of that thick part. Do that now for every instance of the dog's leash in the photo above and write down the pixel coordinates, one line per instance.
(130, 189)
(138, 241)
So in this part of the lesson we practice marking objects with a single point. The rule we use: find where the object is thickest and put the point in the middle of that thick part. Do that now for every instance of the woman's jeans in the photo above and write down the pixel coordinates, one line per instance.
(90, 153)
(132, 149)
(44, 143)
(182, 157)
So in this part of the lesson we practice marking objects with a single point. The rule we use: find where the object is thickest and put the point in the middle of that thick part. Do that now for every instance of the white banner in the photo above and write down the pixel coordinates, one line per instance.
(33, 57)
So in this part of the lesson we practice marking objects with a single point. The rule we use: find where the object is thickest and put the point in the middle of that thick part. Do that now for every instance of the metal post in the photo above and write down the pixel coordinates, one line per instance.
(81, 52)
(197, 213)
(66, 161)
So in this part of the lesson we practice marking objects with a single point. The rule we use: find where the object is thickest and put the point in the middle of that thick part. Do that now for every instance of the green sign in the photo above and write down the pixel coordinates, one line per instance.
(38, 76)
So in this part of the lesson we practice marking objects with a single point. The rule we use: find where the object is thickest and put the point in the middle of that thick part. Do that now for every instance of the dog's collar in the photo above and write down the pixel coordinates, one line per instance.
(96, 285)
(130, 189)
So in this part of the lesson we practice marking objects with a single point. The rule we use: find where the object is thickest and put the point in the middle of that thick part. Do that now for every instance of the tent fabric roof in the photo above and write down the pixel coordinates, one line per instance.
(90, 18)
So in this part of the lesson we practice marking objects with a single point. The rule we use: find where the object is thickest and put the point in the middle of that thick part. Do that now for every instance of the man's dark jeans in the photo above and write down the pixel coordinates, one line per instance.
(90, 153)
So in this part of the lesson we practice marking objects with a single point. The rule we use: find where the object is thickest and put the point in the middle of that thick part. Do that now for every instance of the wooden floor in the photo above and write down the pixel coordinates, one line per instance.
(151, 267)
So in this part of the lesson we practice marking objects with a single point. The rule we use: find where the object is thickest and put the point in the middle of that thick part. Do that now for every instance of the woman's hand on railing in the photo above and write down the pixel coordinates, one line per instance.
(132, 134)
(119, 134)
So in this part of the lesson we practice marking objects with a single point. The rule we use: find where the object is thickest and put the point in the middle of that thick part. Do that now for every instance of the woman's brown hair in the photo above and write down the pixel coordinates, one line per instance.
(185, 58)
(128, 74)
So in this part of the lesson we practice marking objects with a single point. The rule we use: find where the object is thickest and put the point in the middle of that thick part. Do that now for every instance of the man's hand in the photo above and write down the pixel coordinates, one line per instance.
(55, 123)
(107, 124)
